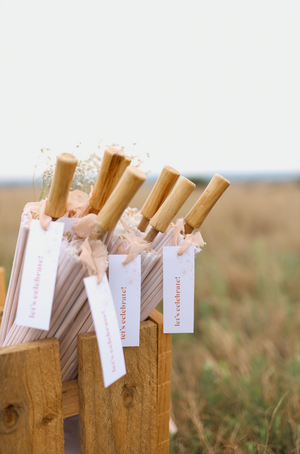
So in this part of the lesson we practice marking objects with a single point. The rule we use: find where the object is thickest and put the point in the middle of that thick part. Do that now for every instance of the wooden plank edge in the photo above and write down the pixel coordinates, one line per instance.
(164, 383)
(70, 390)
(70, 398)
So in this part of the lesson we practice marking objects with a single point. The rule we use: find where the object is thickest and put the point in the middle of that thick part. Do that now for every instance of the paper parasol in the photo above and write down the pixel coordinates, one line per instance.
(152, 286)
(69, 289)
(70, 293)
(55, 207)
(84, 323)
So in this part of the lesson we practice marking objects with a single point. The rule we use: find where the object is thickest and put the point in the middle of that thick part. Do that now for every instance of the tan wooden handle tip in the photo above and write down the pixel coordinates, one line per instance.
(216, 187)
(171, 170)
(168, 210)
(63, 175)
(118, 201)
(128, 160)
(121, 169)
(160, 191)
(113, 150)
(220, 181)
(67, 158)
(109, 175)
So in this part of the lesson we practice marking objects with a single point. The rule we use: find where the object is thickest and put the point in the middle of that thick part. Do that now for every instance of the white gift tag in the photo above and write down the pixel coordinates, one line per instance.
(125, 285)
(107, 329)
(178, 291)
(39, 275)
(68, 224)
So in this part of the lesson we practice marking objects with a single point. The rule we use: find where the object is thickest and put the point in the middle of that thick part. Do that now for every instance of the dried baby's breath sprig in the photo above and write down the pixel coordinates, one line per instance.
(43, 159)
(86, 171)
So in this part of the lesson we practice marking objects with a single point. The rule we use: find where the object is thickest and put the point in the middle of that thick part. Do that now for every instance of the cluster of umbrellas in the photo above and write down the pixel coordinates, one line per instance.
(100, 224)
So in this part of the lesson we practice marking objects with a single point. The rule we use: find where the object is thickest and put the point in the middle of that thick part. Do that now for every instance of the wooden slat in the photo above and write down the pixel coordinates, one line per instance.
(31, 419)
(164, 383)
(70, 398)
(123, 417)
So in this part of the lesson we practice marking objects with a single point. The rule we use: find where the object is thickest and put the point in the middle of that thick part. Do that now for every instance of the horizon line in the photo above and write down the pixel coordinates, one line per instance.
(205, 176)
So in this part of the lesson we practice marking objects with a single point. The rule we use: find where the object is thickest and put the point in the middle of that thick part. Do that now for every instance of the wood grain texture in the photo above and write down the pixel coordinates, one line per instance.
(168, 210)
(112, 163)
(163, 383)
(63, 175)
(159, 192)
(205, 203)
(128, 185)
(31, 399)
(151, 234)
(143, 224)
(2, 290)
(125, 163)
(70, 398)
(120, 419)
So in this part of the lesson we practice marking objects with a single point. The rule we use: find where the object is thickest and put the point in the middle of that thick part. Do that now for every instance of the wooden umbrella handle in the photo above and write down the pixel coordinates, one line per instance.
(157, 196)
(216, 187)
(63, 175)
(162, 218)
(108, 177)
(118, 201)
(121, 169)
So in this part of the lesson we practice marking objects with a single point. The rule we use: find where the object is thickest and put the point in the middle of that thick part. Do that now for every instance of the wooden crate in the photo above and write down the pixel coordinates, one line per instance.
(130, 416)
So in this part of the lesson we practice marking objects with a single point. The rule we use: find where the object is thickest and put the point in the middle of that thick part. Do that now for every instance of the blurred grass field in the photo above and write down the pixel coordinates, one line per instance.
(236, 380)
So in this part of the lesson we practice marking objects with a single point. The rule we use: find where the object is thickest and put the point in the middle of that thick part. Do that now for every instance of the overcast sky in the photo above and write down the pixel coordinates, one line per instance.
(202, 86)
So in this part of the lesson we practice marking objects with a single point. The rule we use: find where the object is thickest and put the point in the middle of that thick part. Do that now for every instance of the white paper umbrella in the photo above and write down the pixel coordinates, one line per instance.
(55, 208)
(152, 286)
(167, 204)
(70, 293)
(59, 203)
(107, 219)
(121, 244)
(152, 282)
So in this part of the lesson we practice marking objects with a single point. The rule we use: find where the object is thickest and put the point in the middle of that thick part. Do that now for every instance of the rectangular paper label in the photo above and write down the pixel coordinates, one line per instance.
(107, 329)
(178, 276)
(68, 225)
(39, 275)
(125, 285)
